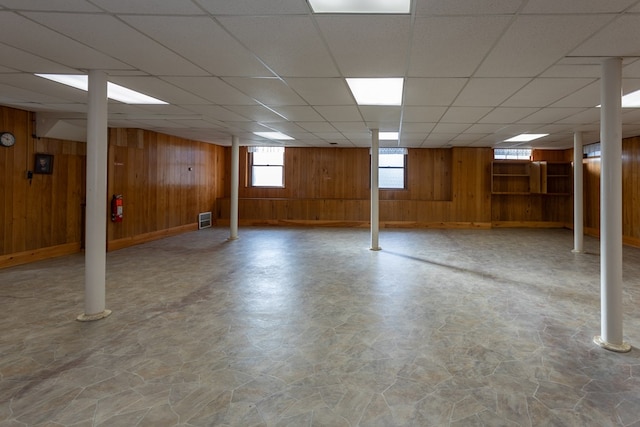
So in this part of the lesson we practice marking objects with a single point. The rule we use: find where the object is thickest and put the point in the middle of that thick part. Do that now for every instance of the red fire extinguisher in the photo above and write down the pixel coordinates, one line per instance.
(116, 208)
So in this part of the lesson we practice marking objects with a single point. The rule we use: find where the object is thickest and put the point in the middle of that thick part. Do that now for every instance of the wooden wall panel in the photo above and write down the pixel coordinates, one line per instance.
(45, 211)
(44, 216)
(591, 179)
(631, 187)
(165, 182)
(332, 184)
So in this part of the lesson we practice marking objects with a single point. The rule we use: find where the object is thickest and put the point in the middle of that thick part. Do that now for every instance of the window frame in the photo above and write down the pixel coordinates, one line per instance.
(251, 164)
(512, 153)
(398, 151)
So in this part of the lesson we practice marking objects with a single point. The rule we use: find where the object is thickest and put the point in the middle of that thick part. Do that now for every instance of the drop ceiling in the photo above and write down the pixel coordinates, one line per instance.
(476, 71)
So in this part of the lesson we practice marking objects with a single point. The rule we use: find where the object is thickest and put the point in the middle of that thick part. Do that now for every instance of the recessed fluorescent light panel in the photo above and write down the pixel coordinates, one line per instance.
(274, 135)
(360, 6)
(526, 137)
(631, 100)
(114, 91)
(388, 136)
(376, 91)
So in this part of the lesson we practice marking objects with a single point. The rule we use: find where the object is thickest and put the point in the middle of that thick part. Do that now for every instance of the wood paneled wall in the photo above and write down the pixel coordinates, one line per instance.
(165, 181)
(332, 185)
(45, 211)
(44, 216)
(630, 192)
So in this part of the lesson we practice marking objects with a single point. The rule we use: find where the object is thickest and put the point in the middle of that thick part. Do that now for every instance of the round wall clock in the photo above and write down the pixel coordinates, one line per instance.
(7, 139)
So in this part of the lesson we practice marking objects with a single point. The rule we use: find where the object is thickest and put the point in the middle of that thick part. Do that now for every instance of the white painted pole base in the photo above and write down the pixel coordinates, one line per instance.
(622, 348)
(375, 249)
(91, 317)
(576, 251)
(232, 238)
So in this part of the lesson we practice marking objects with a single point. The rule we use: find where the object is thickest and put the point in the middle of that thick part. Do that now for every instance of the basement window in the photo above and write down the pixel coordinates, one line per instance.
(267, 166)
(591, 150)
(512, 154)
(392, 168)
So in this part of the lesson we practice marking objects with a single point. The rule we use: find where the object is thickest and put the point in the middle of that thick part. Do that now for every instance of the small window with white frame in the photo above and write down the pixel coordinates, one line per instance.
(266, 166)
(591, 150)
(392, 168)
(512, 154)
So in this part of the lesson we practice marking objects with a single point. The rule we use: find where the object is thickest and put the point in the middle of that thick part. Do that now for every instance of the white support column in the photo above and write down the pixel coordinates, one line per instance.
(611, 337)
(578, 195)
(96, 212)
(375, 195)
(235, 184)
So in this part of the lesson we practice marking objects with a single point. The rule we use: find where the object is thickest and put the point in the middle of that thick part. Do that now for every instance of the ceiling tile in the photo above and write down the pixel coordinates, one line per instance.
(299, 113)
(26, 35)
(339, 113)
(417, 128)
(481, 92)
(212, 89)
(218, 112)
(432, 91)
(252, 7)
(192, 38)
(56, 5)
(587, 97)
(450, 128)
(351, 127)
(269, 91)
(379, 114)
(503, 115)
(423, 114)
(453, 46)
(322, 91)
(289, 45)
(109, 35)
(465, 114)
(377, 45)
(256, 113)
(154, 7)
(613, 40)
(533, 43)
(316, 126)
(584, 117)
(542, 92)
(570, 6)
(476, 7)
(573, 71)
(550, 115)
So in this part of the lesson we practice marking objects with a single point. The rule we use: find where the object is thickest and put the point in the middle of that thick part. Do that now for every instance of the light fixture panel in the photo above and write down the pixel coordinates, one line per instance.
(526, 137)
(274, 135)
(388, 136)
(361, 6)
(114, 91)
(377, 91)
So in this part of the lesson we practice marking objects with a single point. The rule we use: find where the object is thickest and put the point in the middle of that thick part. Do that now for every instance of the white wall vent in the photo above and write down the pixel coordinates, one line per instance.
(204, 220)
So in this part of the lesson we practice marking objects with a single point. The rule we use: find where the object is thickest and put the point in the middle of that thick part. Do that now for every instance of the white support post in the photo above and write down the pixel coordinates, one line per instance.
(375, 195)
(235, 184)
(611, 337)
(96, 212)
(578, 195)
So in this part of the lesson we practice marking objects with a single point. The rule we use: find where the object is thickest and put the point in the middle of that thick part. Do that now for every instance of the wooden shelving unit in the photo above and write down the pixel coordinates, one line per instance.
(558, 179)
(530, 193)
(518, 177)
(510, 177)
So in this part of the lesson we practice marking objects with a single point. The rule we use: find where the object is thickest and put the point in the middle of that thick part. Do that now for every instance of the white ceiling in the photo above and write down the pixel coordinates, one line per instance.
(476, 71)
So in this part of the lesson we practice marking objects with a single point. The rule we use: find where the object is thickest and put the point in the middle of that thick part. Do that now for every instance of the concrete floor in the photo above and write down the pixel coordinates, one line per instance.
(307, 327)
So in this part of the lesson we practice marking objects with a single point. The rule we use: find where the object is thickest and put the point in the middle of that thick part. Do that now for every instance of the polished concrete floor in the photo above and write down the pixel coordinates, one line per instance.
(308, 327)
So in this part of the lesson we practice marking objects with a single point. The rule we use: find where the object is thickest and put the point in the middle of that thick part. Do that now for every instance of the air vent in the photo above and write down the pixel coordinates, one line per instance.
(204, 220)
